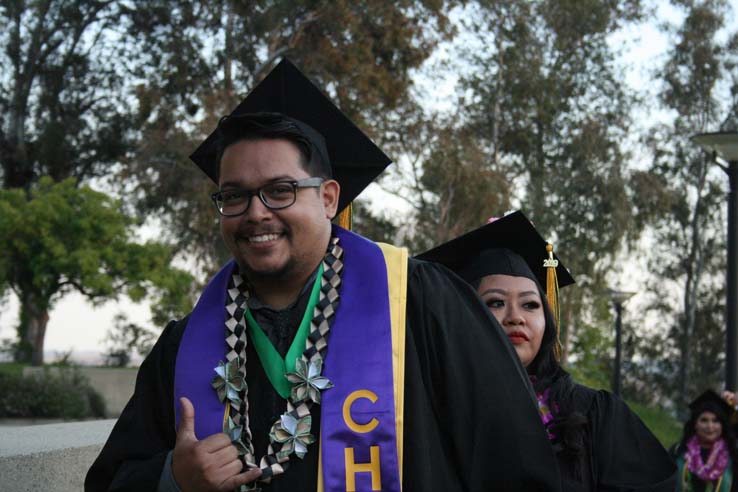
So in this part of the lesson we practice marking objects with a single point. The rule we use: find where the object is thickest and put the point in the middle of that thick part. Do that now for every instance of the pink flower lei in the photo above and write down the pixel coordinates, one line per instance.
(544, 408)
(717, 461)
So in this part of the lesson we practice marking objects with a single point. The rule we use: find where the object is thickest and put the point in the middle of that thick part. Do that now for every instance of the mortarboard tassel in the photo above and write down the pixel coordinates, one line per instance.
(552, 294)
(345, 218)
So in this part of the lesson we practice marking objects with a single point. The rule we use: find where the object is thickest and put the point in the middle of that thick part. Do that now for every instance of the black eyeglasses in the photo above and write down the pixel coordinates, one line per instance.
(274, 196)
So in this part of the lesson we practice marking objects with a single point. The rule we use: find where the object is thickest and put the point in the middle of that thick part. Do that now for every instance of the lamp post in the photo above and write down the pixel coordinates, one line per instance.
(618, 298)
(724, 146)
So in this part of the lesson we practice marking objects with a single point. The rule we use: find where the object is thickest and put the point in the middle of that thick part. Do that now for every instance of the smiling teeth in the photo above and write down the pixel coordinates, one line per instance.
(263, 238)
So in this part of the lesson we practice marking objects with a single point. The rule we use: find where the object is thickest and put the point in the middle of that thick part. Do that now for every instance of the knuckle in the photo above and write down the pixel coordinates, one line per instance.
(211, 476)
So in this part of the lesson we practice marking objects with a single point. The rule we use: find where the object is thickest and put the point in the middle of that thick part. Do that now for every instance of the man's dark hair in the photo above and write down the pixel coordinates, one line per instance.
(253, 126)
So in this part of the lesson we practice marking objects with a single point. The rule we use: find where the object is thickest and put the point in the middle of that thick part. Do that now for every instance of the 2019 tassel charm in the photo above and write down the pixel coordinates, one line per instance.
(552, 294)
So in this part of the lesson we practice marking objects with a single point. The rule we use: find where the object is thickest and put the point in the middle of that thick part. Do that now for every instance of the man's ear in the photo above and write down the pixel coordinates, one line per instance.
(330, 191)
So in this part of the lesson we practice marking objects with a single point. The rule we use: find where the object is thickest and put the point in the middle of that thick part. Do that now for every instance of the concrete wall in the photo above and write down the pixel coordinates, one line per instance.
(50, 457)
(114, 384)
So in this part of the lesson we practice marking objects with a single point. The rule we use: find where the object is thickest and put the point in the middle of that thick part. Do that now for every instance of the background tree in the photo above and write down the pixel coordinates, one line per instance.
(65, 238)
(202, 57)
(81, 98)
(62, 108)
(375, 227)
(442, 176)
(549, 116)
(124, 338)
(64, 113)
(683, 196)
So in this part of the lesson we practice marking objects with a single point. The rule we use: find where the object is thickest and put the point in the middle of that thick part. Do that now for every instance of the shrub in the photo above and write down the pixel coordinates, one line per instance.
(53, 394)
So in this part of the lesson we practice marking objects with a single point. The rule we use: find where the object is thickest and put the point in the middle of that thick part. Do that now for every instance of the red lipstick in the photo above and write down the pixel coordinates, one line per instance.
(517, 337)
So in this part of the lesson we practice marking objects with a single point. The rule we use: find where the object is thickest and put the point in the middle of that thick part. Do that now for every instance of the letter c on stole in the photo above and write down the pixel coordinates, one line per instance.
(350, 422)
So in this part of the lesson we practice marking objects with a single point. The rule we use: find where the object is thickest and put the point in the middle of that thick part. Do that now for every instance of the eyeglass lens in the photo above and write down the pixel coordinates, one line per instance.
(274, 196)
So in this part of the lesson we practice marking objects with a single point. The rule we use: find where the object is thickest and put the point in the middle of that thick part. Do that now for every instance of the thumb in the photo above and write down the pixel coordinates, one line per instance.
(187, 420)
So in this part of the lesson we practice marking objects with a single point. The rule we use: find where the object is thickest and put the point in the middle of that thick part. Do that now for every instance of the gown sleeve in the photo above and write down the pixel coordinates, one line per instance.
(627, 455)
(479, 393)
(133, 456)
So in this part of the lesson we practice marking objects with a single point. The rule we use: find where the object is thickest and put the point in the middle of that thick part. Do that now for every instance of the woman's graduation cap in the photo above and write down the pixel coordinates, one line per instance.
(508, 246)
(514, 232)
(710, 401)
(354, 159)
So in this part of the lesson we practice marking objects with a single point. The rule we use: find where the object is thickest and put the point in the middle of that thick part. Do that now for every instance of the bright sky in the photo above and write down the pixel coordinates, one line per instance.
(77, 326)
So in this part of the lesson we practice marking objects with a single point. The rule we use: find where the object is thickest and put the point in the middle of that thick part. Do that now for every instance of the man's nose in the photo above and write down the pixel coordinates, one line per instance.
(257, 211)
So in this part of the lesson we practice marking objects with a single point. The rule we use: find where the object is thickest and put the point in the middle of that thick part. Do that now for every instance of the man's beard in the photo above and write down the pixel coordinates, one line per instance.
(270, 275)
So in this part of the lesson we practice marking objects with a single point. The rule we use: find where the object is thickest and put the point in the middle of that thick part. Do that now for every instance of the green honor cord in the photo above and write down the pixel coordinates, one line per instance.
(274, 365)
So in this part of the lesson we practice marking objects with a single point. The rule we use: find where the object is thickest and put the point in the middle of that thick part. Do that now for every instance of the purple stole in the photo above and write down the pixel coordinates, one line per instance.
(359, 436)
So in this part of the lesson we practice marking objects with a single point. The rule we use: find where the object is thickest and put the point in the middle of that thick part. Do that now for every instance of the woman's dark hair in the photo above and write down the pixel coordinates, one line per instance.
(727, 433)
(569, 425)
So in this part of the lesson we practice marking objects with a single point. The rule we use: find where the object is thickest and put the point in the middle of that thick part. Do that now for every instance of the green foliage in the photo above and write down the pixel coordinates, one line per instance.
(548, 109)
(12, 368)
(375, 228)
(664, 426)
(684, 206)
(60, 95)
(465, 188)
(125, 337)
(62, 237)
(591, 368)
(52, 394)
(447, 179)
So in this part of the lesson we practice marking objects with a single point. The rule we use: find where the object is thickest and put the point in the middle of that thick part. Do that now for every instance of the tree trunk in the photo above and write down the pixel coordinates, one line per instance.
(34, 318)
(498, 88)
(691, 289)
(228, 61)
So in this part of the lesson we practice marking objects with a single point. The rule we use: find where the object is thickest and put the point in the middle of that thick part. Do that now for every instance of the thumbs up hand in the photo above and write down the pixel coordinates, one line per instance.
(207, 465)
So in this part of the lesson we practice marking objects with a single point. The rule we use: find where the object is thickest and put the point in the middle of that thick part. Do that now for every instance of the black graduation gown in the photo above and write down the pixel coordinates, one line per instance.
(470, 421)
(622, 454)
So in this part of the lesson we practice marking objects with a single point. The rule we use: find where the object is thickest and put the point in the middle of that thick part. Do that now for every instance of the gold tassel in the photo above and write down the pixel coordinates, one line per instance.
(552, 294)
(345, 218)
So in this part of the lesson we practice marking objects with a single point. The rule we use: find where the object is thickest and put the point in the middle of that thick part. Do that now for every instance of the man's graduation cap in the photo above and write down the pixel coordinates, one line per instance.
(508, 246)
(354, 159)
(710, 401)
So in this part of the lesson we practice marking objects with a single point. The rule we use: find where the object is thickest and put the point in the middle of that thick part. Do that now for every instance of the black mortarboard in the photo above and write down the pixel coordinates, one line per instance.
(509, 246)
(355, 160)
(712, 402)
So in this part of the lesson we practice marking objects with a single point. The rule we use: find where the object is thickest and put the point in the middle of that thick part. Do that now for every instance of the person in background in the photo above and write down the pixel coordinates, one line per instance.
(706, 455)
(601, 445)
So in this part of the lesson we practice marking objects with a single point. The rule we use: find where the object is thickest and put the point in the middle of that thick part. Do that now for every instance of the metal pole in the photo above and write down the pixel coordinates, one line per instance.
(618, 334)
(731, 304)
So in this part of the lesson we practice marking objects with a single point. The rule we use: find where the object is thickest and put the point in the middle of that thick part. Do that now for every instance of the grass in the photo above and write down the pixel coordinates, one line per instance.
(666, 428)
(13, 368)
